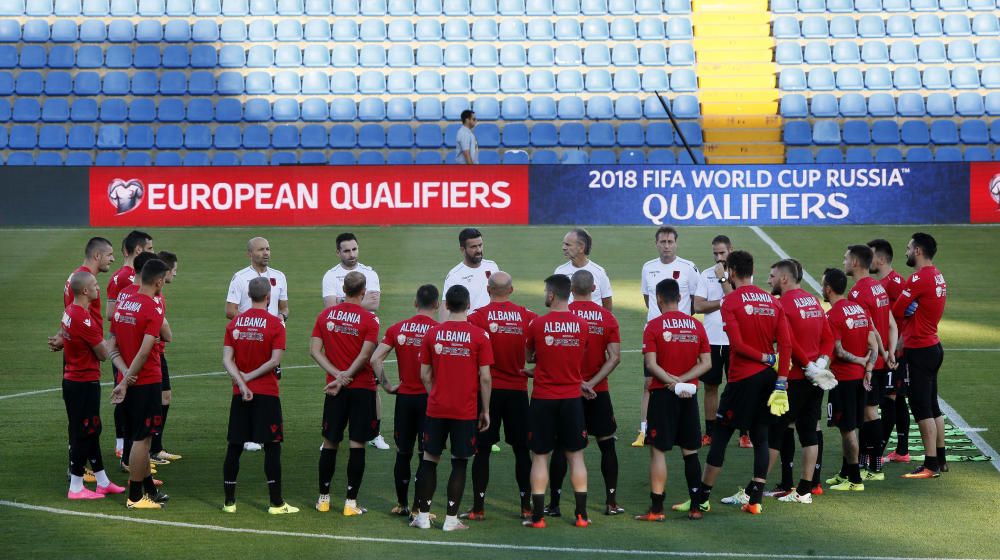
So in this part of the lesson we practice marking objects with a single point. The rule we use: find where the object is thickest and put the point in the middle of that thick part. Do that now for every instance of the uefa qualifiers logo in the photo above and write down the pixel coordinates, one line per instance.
(995, 190)
(125, 195)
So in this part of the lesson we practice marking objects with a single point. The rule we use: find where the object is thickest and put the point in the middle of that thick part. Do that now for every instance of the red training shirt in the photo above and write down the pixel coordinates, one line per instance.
(455, 350)
(95, 306)
(559, 339)
(870, 293)
(406, 337)
(80, 334)
(754, 322)
(254, 335)
(678, 339)
(602, 329)
(135, 317)
(812, 337)
(928, 288)
(850, 325)
(124, 277)
(893, 284)
(507, 324)
(344, 329)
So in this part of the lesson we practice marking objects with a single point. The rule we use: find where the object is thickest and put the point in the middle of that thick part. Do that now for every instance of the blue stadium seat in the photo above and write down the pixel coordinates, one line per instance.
(81, 137)
(788, 53)
(67, 8)
(973, 132)
(888, 155)
(940, 105)
(852, 105)
(631, 135)
(650, 29)
(26, 109)
(661, 157)
(822, 79)
(948, 154)
(83, 110)
(544, 157)
(977, 153)
(815, 27)
(906, 78)
(784, 6)
(108, 159)
(20, 158)
(257, 110)
(957, 25)
(986, 24)
(851, 79)
(793, 106)
(786, 27)
(515, 136)
(858, 155)
(79, 159)
(429, 136)
(371, 158)
(573, 134)
(574, 157)
(970, 104)
(991, 77)
(856, 133)
(692, 133)
(628, 108)
(899, 26)
(965, 77)
(679, 29)
(988, 50)
(512, 30)
(796, 133)
(369, 109)
(829, 155)
(936, 77)
(799, 156)
(544, 135)
(660, 134)
(632, 157)
(685, 158)
(400, 30)
(961, 50)
(514, 157)
(915, 133)
(540, 29)
(373, 136)
(54, 110)
(52, 137)
(885, 132)
(824, 105)
(792, 79)
(944, 132)
(455, 82)
(818, 7)
(843, 27)
(911, 105)
(113, 110)
(919, 154)
(285, 136)
(928, 25)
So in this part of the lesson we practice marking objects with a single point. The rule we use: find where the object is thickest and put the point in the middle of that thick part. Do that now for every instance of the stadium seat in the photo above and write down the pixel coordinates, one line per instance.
(973, 132)
(940, 105)
(79, 159)
(961, 50)
(515, 136)
(991, 77)
(799, 156)
(988, 50)
(822, 79)
(910, 105)
(515, 157)
(544, 135)
(54, 110)
(856, 133)
(797, 133)
(253, 158)
(888, 155)
(885, 132)
(818, 52)
(81, 137)
(944, 132)
(829, 155)
(986, 24)
(977, 153)
(853, 105)
(875, 52)
(970, 104)
(908, 77)
(794, 106)
(858, 155)
(915, 133)
(661, 157)
(792, 79)
(948, 154)
(659, 134)
(824, 105)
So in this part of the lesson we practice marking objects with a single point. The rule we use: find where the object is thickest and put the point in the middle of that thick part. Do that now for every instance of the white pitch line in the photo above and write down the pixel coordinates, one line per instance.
(945, 407)
(453, 544)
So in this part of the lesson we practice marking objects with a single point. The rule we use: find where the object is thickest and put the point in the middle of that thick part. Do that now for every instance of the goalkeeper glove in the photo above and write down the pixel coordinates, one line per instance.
(770, 359)
(911, 309)
(820, 376)
(778, 401)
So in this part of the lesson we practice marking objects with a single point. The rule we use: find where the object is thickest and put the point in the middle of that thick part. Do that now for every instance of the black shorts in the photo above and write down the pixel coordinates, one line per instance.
(805, 405)
(923, 365)
(462, 433)
(165, 382)
(898, 380)
(83, 408)
(599, 416)
(847, 401)
(354, 408)
(880, 380)
(556, 423)
(257, 420)
(508, 408)
(143, 412)
(743, 403)
(408, 422)
(672, 420)
(720, 365)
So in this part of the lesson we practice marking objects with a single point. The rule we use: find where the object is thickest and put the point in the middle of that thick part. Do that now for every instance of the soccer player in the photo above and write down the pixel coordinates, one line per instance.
(472, 272)
(922, 304)
(98, 256)
(755, 324)
(812, 347)
(894, 405)
(342, 343)
(602, 357)
(405, 337)
(855, 353)
(557, 345)
(707, 298)
(507, 325)
(83, 350)
(576, 246)
(157, 454)
(667, 265)
(676, 352)
(137, 325)
(333, 293)
(254, 344)
(455, 359)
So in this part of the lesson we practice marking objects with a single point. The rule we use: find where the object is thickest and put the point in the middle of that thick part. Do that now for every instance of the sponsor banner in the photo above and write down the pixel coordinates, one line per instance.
(984, 193)
(308, 196)
(918, 193)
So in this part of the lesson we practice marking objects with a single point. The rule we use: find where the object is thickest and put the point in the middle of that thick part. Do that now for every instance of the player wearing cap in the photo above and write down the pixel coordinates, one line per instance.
(507, 325)
(922, 304)
(455, 359)
(254, 344)
(473, 272)
(342, 343)
(405, 338)
(576, 247)
(677, 352)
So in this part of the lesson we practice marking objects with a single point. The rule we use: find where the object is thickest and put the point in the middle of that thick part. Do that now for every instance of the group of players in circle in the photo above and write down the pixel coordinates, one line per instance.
(464, 370)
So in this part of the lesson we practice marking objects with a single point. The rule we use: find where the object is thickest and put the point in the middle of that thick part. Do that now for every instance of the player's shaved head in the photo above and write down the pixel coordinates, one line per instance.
(582, 283)
(259, 289)
(354, 284)
(500, 283)
(94, 247)
(260, 252)
(255, 243)
(100, 254)
(80, 281)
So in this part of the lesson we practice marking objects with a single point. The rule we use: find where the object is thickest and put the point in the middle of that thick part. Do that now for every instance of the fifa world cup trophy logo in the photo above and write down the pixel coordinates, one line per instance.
(995, 190)
(125, 195)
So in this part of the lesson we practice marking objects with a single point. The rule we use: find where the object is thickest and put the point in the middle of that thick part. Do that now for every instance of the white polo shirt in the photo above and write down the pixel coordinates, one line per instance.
(465, 140)
(474, 280)
(333, 280)
(681, 270)
(711, 290)
(241, 281)
(601, 280)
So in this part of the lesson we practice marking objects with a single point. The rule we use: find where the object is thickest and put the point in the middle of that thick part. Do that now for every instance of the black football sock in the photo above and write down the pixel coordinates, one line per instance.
(692, 473)
(119, 422)
(230, 471)
(941, 457)
(557, 474)
(709, 426)
(804, 487)
(656, 502)
(873, 443)
(702, 495)
(134, 490)
(537, 507)
(888, 418)
(327, 466)
(401, 474)
(157, 444)
(272, 471)
(843, 468)
(126, 450)
(755, 490)
(426, 484)
(609, 470)
(148, 486)
(581, 503)
(456, 485)
(818, 470)
(931, 462)
(522, 473)
(355, 471)
(96, 461)
(787, 458)
(854, 473)
(480, 479)
(902, 426)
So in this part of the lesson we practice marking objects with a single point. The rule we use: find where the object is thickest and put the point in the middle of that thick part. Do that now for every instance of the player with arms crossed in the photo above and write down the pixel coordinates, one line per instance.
(677, 352)
(557, 345)
(254, 344)
(405, 337)
(507, 324)
(473, 272)
(921, 304)
(455, 360)
(342, 343)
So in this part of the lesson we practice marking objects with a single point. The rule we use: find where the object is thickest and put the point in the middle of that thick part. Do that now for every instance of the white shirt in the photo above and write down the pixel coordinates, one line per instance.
(711, 290)
(465, 140)
(474, 280)
(333, 280)
(240, 283)
(601, 280)
(681, 270)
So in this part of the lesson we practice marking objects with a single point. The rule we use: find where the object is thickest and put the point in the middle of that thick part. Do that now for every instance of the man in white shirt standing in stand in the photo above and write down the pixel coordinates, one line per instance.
(666, 265)
(576, 248)
(473, 272)
(333, 294)
(238, 298)
(466, 145)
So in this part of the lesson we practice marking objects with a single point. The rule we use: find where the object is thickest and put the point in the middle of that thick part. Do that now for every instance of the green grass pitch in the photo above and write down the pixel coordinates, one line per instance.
(954, 516)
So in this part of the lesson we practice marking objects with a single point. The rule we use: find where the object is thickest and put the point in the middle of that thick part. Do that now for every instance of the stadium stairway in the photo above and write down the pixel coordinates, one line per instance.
(736, 81)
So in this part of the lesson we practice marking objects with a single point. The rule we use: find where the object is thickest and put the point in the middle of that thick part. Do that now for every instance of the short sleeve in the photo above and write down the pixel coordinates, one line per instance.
(228, 339)
(649, 339)
(278, 342)
(529, 340)
(605, 286)
(371, 330)
(427, 348)
(694, 281)
(235, 291)
(475, 318)
(283, 289)
(485, 350)
(644, 284)
(704, 347)
(613, 333)
(330, 285)
(317, 328)
(701, 288)
(464, 141)
(154, 323)
(832, 319)
(389, 339)
(92, 335)
(373, 283)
